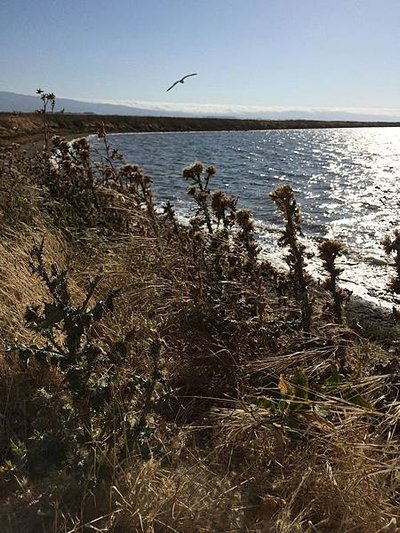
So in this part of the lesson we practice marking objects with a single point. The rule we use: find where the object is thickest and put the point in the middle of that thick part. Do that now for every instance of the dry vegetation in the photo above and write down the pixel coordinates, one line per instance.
(163, 378)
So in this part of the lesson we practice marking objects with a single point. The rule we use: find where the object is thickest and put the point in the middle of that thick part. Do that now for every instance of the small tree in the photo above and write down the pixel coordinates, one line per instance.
(48, 99)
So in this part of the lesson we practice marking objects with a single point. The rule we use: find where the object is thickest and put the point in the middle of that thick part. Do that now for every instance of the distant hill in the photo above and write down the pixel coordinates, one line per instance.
(10, 102)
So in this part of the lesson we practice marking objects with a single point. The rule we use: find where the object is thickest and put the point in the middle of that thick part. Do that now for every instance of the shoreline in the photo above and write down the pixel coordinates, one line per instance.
(23, 128)
(372, 321)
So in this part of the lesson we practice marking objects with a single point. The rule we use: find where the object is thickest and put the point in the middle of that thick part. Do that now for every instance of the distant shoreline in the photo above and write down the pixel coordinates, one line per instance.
(24, 128)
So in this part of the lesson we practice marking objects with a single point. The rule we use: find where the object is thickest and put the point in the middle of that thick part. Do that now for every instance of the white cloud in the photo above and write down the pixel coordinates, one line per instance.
(256, 111)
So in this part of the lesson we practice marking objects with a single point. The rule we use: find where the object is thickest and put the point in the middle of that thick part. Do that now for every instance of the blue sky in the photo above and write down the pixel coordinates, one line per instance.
(285, 53)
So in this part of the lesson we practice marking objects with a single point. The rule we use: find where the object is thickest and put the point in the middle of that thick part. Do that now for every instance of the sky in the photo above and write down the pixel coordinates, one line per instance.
(307, 54)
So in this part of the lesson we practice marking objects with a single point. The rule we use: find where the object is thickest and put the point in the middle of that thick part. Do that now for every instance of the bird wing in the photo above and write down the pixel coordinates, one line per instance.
(172, 86)
(181, 80)
(188, 75)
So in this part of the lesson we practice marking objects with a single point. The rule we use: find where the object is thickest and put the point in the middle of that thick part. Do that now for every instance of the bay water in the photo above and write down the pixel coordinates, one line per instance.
(346, 181)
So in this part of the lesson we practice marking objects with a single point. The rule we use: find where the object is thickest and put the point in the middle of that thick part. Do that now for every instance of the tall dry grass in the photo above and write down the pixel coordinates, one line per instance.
(208, 397)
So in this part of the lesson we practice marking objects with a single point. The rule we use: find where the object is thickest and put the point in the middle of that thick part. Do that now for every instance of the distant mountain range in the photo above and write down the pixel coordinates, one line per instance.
(14, 102)
(10, 102)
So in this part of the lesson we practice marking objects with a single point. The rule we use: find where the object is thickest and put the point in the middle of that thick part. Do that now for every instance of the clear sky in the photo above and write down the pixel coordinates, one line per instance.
(311, 53)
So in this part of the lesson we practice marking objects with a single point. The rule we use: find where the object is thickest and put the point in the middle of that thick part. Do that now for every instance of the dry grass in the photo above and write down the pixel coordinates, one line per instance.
(253, 424)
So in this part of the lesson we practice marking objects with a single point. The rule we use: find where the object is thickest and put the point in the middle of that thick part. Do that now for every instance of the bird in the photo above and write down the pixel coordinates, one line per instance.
(182, 80)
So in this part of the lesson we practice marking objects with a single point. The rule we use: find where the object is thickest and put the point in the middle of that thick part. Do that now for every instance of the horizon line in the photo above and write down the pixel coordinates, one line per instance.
(237, 108)
(241, 110)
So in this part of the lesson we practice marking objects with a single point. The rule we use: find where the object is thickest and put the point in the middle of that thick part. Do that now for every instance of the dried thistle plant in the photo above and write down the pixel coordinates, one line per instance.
(246, 235)
(286, 203)
(200, 178)
(392, 246)
(223, 207)
(328, 252)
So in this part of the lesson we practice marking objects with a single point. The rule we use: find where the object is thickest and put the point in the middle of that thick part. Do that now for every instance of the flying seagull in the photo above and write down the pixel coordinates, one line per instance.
(182, 80)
